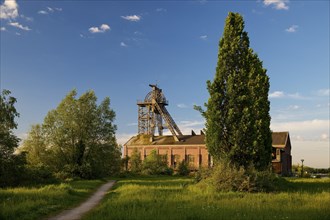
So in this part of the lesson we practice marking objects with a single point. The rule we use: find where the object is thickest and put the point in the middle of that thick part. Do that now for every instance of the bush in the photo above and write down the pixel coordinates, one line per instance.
(202, 174)
(153, 164)
(226, 177)
(183, 169)
(39, 174)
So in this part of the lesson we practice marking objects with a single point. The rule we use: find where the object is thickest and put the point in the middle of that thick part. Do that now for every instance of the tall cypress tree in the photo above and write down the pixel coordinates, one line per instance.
(237, 115)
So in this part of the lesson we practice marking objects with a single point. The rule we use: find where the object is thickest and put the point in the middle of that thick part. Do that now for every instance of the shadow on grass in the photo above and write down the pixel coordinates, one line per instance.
(303, 185)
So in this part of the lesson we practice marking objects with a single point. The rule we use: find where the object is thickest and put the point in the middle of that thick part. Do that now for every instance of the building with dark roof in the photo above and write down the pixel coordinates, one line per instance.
(192, 149)
(152, 114)
(281, 153)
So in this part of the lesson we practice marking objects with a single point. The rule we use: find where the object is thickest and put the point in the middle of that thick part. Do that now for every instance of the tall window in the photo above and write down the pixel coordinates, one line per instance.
(191, 159)
(176, 160)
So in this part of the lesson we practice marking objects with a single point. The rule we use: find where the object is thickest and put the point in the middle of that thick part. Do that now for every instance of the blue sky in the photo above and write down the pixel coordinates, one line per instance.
(117, 48)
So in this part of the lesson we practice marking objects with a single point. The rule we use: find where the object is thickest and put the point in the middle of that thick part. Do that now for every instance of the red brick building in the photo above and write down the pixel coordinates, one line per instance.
(281, 153)
(192, 149)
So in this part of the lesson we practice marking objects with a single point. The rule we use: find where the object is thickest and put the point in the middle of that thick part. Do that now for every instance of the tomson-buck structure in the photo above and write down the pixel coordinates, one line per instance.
(152, 114)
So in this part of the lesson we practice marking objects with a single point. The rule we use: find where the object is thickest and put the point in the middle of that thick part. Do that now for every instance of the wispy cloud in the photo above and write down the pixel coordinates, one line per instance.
(281, 94)
(132, 17)
(49, 10)
(304, 130)
(101, 29)
(277, 4)
(182, 105)
(2, 29)
(132, 124)
(276, 94)
(294, 107)
(203, 37)
(122, 138)
(42, 12)
(323, 92)
(292, 29)
(26, 18)
(122, 44)
(18, 25)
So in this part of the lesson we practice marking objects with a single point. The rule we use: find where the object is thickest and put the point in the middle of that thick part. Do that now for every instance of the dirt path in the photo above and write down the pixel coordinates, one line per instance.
(78, 212)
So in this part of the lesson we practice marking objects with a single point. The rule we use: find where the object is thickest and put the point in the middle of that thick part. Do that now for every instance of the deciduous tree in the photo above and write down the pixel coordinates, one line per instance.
(77, 138)
(11, 165)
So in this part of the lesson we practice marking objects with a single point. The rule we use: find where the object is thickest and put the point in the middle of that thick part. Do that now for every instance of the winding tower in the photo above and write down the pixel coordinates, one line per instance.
(152, 112)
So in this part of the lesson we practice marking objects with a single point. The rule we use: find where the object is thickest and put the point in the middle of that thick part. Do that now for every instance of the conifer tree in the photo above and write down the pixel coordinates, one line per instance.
(237, 115)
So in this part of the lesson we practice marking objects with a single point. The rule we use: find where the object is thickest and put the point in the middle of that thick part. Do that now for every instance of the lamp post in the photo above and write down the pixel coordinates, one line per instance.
(302, 167)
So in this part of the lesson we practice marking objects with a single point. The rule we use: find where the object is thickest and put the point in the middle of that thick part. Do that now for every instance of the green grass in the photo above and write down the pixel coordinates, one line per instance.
(179, 198)
(42, 201)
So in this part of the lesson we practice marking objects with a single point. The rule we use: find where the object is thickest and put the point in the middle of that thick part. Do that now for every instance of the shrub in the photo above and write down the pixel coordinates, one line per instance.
(183, 168)
(202, 174)
(226, 177)
(135, 161)
(153, 164)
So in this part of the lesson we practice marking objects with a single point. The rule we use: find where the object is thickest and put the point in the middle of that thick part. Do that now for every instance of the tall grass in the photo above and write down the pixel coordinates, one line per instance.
(40, 202)
(180, 198)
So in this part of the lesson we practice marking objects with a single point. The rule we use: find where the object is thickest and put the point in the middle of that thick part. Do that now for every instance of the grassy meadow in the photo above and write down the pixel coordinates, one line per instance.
(38, 202)
(179, 198)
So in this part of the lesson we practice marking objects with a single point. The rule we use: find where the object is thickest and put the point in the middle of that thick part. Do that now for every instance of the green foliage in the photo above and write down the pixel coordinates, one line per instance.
(38, 202)
(179, 198)
(183, 168)
(135, 161)
(77, 139)
(225, 177)
(154, 164)
(12, 166)
(237, 115)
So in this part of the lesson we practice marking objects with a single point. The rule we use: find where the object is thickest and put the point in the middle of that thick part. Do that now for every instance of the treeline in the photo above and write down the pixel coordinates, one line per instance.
(75, 140)
(309, 170)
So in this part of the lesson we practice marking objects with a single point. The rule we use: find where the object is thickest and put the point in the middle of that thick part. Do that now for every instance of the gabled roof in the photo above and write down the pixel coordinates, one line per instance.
(280, 139)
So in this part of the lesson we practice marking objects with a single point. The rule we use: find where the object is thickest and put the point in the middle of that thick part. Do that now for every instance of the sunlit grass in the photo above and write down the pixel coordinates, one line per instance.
(37, 202)
(180, 198)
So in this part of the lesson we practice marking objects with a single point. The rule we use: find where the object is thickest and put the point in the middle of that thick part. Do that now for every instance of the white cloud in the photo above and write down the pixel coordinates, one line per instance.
(122, 44)
(182, 105)
(2, 29)
(292, 29)
(123, 138)
(18, 25)
(50, 9)
(132, 124)
(103, 28)
(9, 9)
(132, 17)
(277, 4)
(281, 94)
(294, 107)
(203, 37)
(42, 12)
(323, 92)
(276, 94)
(304, 130)
(27, 18)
